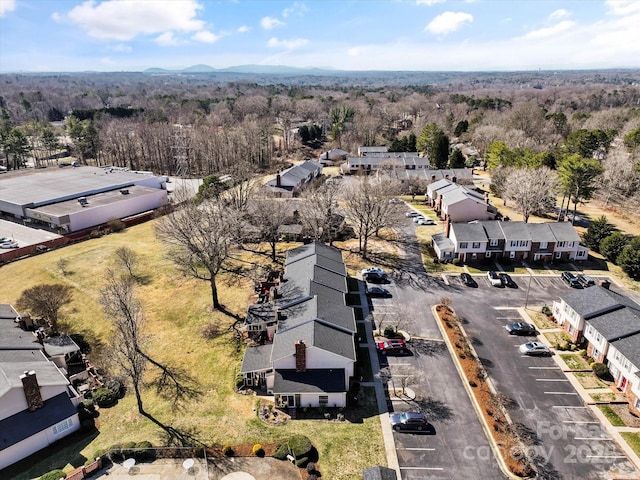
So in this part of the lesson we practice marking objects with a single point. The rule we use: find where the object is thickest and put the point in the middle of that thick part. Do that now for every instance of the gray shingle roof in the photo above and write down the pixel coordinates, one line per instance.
(23, 425)
(7, 312)
(317, 380)
(541, 232)
(595, 301)
(617, 323)
(314, 249)
(443, 243)
(493, 230)
(46, 372)
(515, 231)
(316, 334)
(432, 187)
(256, 359)
(469, 232)
(13, 337)
(630, 348)
(564, 232)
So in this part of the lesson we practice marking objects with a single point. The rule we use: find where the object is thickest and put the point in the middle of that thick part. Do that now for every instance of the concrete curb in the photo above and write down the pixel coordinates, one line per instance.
(483, 422)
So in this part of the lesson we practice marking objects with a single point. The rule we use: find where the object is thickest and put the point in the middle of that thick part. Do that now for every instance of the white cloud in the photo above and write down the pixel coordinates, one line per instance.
(269, 23)
(448, 22)
(206, 36)
(550, 31)
(296, 9)
(243, 29)
(623, 7)
(354, 51)
(560, 13)
(429, 2)
(166, 39)
(125, 19)
(55, 16)
(7, 6)
(287, 44)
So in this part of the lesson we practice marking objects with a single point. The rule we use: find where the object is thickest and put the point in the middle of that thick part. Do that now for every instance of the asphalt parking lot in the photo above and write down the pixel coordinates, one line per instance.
(24, 235)
(565, 440)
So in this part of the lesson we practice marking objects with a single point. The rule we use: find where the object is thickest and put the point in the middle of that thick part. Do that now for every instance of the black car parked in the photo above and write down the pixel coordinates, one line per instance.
(570, 279)
(373, 277)
(521, 328)
(585, 281)
(468, 280)
(408, 421)
(507, 281)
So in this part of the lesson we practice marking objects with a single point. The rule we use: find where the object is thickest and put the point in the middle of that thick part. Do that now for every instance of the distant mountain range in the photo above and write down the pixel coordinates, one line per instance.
(262, 69)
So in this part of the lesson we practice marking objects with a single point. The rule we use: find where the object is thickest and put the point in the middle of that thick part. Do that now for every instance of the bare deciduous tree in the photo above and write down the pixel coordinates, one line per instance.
(369, 209)
(532, 190)
(200, 238)
(267, 215)
(46, 300)
(318, 208)
(127, 259)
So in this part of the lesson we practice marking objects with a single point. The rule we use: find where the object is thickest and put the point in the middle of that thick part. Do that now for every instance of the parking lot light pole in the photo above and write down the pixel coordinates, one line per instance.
(526, 300)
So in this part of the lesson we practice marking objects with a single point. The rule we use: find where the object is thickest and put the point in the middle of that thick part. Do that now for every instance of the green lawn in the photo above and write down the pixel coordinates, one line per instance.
(633, 439)
(575, 361)
(589, 380)
(612, 416)
(556, 337)
(176, 309)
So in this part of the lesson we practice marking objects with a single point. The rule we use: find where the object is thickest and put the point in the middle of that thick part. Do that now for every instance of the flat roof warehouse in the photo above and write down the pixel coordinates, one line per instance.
(51, 196)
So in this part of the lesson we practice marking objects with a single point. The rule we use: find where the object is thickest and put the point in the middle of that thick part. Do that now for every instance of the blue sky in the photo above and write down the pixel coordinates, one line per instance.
(465, 35)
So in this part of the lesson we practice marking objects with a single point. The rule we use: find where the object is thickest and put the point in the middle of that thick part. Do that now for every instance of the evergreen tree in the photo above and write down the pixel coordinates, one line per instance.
(598, 230)
(629, 259)
(612, 246)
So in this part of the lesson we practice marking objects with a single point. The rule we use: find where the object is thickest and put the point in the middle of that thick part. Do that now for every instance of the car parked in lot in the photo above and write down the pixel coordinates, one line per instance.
(418, 218)
(408, 421)
(9, 244)
(426, 221)
(412, 213)
(368, 270)
(375, 278)
(521, 328)
(495, 280)
(392, 346)
(378, 292)
(468, 280)
(507, 281)
(585, 280)
(534, 348)
(570, 279)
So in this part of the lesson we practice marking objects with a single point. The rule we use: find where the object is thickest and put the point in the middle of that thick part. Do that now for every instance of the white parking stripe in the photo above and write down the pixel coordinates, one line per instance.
(567, 406)
(592, 438)
(561, 393)
(577, 421)
(505, 308)
(416, 448)
(551, 380)
(546, 368)
(421, 468)
(605, 456)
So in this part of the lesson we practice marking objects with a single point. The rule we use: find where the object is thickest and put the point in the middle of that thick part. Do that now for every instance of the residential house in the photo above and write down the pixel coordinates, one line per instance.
(305, 329)
(425, 177)
(38, 405)
(514, 240)
(388, 161)
(333, 157)
(464, 205)
(364, 151)
(290, 181)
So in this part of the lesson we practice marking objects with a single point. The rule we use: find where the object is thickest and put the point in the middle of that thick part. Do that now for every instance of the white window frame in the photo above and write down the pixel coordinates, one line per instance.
(544, 244)
(493, 242)
(512, 254)
(62, 427)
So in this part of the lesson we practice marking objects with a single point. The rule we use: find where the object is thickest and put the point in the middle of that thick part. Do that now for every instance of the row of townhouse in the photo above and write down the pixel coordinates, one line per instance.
(428, 176)
(494, 239)
(38, 404)
(305, 330)
(458, 203)
(609, 323)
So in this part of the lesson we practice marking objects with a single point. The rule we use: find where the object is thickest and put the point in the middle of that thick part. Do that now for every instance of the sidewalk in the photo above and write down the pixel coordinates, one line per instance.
(585, 395)
(387, 432)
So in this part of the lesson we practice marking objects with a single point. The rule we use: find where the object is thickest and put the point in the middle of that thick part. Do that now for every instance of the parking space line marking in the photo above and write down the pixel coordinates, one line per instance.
(407, 364)
(421, 468)
(551, 380)
(593, 438)
(505, 308)
(605, 456)
(561, 393)
(546, 368)
(577, 421)
(415, 448)
(567, 406)
(536, 280)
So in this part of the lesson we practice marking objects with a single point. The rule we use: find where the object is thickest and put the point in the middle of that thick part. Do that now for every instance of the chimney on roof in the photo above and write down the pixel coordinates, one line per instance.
(278, 180)
(31, 390)
(301, 356)
(447, 226)
(605, 284)
(486, 198)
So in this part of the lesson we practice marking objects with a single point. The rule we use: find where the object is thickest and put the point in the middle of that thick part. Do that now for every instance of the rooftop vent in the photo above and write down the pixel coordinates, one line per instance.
(83, 201)
(124, 191)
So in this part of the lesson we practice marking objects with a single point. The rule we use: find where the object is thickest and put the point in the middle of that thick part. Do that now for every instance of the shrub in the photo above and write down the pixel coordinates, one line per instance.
(210, 330)
(546, 310)
(300, 445)
(104, 397)
(144, 444)
(456, 261)
(389, 332)
(311, 468)
(312, 477)
(116, 225)
(227, 451)
(472, 384)
(573, 347)
(53, 475)
(99, 453)
(281, 451)
(600, 369)
(583, 353)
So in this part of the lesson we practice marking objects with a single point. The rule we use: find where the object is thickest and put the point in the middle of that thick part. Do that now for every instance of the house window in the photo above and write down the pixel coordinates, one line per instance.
(558, 254)
(512, 254)
(476, 244)
(560, 244)
(493, 242)
(323, 399)
(487, 254)
(63, 426)
(523, 243)
(514, 243)
(463, 244)
(595, 353)
(544, 245)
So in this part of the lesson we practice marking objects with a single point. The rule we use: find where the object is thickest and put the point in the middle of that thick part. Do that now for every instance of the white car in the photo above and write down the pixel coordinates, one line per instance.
(9, 245)
(534, 348)
(374, 270)
(412, 214)
(426, 221)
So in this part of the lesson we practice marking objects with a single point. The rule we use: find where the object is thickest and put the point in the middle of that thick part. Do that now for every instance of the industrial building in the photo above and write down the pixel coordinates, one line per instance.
(71, 199)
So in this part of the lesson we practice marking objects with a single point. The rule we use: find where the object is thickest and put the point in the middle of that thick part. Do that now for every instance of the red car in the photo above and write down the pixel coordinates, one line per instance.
(393, 345)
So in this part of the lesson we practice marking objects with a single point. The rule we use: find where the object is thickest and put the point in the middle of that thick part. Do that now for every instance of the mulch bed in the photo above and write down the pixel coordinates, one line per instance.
(622, 410)
(500, 429)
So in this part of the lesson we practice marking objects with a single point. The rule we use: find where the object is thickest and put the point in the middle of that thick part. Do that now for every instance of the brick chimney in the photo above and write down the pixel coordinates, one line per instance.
(301, 356)
(31, 390)
(447, 226)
